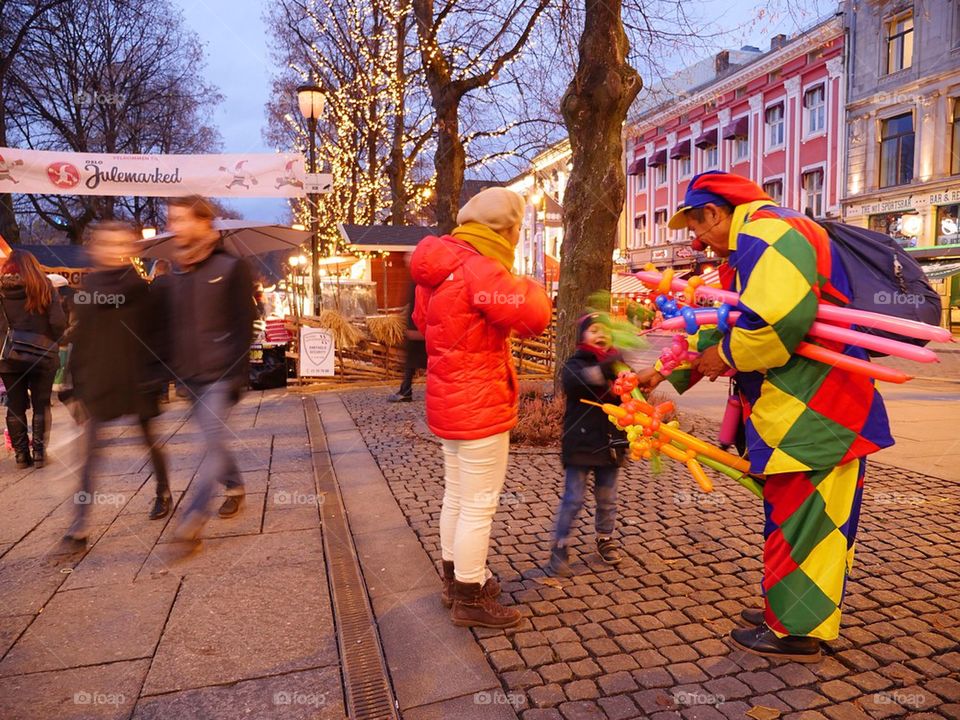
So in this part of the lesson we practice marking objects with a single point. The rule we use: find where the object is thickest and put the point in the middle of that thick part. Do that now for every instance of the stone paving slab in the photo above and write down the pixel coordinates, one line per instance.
(292, 696)
(101, 692)
(648, 639)
(244, 619)
(93, 626)
(244, 626)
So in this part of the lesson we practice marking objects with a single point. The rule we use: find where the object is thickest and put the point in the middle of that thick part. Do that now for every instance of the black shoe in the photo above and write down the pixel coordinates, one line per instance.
(763, 641)
(559, 565)
(399, 397)
(609, 550)
(161, 507)
(38, 458)
(231, 506)
(23, 460)
(751, 618)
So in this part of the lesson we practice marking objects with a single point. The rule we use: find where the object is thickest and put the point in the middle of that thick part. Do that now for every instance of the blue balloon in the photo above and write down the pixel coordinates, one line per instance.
(723, 316)
(690, 319)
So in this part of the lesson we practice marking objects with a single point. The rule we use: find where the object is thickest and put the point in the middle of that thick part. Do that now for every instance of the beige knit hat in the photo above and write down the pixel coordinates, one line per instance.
(497, 208)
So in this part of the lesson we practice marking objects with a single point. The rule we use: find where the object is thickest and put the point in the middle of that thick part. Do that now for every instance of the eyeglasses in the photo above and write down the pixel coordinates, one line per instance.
(698, 239)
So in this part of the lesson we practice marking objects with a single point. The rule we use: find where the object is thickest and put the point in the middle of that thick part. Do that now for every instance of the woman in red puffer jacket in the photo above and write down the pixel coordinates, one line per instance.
(468, 302)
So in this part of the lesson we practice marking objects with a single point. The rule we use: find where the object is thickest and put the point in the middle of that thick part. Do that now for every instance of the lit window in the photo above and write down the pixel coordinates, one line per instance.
(900, 43)
(955, 153)
(814, 109)
(813, 192)
(774, 118)
(774, 189)
(896, 151)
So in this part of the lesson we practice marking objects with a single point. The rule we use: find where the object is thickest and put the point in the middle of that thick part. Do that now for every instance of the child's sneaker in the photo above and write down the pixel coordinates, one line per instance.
(559, 565)
(609, 550)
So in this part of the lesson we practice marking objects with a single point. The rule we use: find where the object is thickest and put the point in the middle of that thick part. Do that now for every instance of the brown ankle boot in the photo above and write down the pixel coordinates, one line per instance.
(473, 608)
(491, 588)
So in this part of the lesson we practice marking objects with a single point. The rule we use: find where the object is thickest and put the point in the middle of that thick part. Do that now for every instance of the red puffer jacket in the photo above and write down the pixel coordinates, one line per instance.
(467, 305)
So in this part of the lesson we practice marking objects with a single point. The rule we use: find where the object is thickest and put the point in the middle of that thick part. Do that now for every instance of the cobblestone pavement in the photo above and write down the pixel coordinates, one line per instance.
(647, 639)
(129, 628)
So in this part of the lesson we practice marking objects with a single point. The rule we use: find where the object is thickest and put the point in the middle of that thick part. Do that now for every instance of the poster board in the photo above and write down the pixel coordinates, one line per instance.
(316, 352)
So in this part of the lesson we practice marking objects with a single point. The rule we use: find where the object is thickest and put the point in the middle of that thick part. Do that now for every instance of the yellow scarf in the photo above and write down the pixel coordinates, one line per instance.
(488, 242)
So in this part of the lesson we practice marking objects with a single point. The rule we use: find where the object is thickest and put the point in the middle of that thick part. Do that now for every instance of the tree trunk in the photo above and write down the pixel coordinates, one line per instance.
(397, 167)
(9, 229)
(450, 161)
(594, 109)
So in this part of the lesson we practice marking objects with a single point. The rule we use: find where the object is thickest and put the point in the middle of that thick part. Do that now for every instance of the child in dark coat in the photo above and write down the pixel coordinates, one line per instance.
(590, 442)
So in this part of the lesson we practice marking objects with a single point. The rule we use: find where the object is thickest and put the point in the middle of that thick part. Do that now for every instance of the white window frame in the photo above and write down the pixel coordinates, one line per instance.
(640, 233)
(684, 167)
(768, 147)
(783, 186)
(662, 170)
(809, 133)
(642, 179)
(808, 170)
(661, 232)
(736, 157)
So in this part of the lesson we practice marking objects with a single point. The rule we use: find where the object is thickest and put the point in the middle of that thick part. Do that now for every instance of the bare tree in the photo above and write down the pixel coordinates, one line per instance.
(463, 47)
(109, 76)
(20, 18)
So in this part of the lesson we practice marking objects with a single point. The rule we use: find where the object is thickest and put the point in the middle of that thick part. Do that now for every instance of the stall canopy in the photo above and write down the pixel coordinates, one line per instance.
(939, 271)
(626, 285)
(385, 238)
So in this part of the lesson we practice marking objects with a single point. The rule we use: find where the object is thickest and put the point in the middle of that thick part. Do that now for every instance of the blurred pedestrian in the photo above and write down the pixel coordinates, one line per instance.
(117, 359)
(31, 323)
(415, 353)
(591, 443)
(468, 303)
(212, 312)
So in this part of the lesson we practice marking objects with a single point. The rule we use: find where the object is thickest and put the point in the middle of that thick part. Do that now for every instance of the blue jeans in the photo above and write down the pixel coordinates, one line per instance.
(211, 408)
(605, 492)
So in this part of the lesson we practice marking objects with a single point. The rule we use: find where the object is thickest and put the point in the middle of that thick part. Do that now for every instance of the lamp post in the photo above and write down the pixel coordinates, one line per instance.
(310, 100)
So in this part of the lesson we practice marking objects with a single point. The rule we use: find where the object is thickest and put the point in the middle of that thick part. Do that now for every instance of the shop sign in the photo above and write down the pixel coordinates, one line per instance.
(316, 352)
(886, 206)
(661, 254)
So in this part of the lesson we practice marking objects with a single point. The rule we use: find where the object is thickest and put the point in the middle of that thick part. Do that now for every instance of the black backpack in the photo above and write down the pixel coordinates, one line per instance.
(884, 279)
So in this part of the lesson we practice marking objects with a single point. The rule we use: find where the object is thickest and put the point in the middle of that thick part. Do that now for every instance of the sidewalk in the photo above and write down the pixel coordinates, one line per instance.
(126, 628)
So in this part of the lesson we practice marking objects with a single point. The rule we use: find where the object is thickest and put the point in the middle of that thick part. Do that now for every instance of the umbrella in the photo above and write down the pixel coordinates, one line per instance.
(240, 237)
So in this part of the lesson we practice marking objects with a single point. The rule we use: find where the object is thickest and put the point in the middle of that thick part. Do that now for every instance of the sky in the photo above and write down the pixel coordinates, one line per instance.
(239, 64)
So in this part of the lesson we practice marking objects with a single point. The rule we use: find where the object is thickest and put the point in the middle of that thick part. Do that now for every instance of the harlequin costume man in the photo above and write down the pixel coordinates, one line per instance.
(809, 426)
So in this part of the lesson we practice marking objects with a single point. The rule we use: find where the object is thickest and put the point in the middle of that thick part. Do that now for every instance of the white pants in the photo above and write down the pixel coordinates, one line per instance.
(474, 471)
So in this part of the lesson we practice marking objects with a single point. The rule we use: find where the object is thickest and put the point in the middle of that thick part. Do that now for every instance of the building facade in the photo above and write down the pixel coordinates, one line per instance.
(903, 114)
(776, 117)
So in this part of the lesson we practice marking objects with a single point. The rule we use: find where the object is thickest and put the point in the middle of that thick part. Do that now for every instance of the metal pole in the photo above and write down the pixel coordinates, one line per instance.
(314, 220)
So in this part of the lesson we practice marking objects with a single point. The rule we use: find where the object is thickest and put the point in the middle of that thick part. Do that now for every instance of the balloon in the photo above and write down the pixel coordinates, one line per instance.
(851, 364)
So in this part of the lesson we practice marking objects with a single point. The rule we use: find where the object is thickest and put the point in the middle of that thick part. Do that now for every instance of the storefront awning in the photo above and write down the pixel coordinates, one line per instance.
(939, 271)
(637, 167)
(626, 285)
(680, 150)
(739, 128)
(658, 158)
(708, 139)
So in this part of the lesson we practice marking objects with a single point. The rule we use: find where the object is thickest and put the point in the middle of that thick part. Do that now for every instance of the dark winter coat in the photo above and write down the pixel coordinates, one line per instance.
(50, 324)
(416, 349)
(118, 347)
(212, 314)
(587, 433)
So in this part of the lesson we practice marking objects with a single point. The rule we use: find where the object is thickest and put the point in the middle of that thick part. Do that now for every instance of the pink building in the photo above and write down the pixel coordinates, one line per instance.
(775, 117)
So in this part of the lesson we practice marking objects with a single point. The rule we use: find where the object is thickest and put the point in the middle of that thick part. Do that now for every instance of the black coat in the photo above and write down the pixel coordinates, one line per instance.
(587, 433)
(212, 314)
(118, 347)
(51, 323)
(416, 349)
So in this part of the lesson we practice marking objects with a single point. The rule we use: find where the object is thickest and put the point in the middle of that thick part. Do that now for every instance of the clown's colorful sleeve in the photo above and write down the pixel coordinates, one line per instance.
(683, 377)
(777, 273)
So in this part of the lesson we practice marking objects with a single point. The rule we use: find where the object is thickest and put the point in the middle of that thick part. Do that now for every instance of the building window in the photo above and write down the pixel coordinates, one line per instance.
(741, 148)
(774, 76)
(904, 227)
(685, 166)
(774, 188)
(896, 151)
(900, 43)
(774, 118)
(711, 157)
(955, 152)
(640, 225)
(642, 180)
(660, 221)
(948, 228)
(662, 174)
(814, 109)
(813, 192)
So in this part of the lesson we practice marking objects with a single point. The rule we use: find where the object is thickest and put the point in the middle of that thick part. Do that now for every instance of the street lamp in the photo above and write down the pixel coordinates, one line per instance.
(310, 100)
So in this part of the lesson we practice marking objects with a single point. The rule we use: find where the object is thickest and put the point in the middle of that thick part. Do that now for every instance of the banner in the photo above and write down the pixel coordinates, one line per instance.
(67, 173)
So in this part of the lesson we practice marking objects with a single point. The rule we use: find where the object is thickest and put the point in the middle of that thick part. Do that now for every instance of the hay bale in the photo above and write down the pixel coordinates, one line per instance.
(345, 335)
(389, 330)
